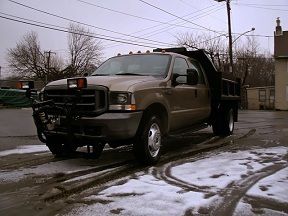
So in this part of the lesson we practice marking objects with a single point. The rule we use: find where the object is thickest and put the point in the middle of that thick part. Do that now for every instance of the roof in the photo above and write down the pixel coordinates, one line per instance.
(262, 87)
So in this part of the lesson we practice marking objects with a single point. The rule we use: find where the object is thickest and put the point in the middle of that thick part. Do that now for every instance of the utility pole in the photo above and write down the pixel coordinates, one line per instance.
(229, 34)
(48, 53)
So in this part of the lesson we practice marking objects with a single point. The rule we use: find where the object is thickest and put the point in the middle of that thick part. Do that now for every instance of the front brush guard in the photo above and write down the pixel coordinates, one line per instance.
(45, 115)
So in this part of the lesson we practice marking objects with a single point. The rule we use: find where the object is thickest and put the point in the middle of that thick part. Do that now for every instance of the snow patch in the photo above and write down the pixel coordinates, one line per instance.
(272, 187)
(25, 150)
(155, 194)
(143, 196)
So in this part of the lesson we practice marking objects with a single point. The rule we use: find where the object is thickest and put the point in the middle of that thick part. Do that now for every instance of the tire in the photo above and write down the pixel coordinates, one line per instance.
(224, 123)
(97, 150)
(59, 149)
(148, 141)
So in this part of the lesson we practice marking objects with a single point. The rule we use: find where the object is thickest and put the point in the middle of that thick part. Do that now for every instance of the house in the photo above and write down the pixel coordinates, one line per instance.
(281, 67)
(262, 98)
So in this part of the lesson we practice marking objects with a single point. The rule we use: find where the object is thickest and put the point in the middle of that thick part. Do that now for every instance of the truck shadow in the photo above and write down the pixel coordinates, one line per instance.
(171, 145)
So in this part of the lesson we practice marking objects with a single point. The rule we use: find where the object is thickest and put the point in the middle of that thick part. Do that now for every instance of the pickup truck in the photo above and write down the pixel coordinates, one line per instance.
(137, 99)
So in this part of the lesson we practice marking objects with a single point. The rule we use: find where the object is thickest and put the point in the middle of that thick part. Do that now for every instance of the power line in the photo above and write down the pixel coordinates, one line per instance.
(192, 6)
(164, 29)
(75, 21)
(170, 28)
(158, 31)
(265, 5)
(84, 34)
(57, 26)
(175, 20)
(265, 8)
(167, 12)
(132, 15)
(31, 20)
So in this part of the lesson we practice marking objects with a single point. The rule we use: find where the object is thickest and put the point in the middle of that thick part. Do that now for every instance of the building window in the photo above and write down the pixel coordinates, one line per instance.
(262, 95)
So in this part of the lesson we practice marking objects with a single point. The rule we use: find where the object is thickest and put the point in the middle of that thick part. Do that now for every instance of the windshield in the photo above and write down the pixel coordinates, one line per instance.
(142, 65)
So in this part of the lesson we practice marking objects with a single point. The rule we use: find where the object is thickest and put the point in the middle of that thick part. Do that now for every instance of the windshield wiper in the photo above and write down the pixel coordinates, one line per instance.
(133, 74)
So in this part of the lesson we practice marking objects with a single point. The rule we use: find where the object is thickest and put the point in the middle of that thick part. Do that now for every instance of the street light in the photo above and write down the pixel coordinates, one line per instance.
(253, 29)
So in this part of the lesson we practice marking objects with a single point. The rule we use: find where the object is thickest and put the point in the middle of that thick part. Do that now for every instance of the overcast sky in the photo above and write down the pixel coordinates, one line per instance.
(138, 19)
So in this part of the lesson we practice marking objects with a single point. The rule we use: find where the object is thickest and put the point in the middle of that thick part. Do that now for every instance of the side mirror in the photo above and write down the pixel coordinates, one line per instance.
(174, 79)
(192, 76)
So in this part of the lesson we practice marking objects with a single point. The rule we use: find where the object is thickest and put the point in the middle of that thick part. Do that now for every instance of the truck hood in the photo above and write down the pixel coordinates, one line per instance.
(114, 83)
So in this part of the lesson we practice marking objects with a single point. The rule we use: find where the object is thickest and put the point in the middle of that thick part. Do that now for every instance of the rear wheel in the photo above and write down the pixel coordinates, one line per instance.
(148, 142)
(224, 123)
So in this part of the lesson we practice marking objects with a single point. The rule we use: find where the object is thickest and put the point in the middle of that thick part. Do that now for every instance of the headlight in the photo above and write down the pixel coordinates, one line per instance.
(23, 84)
(121, 101)
(77, 83)
(41, 96)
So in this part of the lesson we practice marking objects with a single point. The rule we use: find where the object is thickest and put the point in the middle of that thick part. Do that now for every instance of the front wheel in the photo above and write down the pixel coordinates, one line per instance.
(148, 142)
(97, 150)
(224, 123)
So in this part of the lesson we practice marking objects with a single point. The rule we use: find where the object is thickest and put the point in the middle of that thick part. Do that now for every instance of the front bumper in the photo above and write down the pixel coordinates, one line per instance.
(106, 127)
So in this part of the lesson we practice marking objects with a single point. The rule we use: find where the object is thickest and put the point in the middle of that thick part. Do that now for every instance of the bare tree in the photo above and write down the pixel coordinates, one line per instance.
(254, 68)
(84, 50)
(26, 58)
(28, 61)
(214, 45)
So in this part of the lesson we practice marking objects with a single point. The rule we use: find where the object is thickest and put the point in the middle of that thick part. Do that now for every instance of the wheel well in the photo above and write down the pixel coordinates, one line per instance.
(161, 112)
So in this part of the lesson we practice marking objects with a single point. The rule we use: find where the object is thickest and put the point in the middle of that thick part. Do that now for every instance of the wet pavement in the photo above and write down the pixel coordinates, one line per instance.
(252, 163)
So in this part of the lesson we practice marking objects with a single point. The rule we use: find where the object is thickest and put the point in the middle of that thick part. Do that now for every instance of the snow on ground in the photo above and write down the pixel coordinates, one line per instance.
(275, 186)
(273, 189)
(25, 149)
(146, 195)
(220, 170)
(164, 193)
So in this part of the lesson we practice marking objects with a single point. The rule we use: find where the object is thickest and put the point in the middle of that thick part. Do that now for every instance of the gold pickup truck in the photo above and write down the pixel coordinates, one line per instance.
(137, 99)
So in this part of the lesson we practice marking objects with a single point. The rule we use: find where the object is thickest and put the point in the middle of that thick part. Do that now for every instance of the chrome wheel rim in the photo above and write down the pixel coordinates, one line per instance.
(154, 140)
(231, 121)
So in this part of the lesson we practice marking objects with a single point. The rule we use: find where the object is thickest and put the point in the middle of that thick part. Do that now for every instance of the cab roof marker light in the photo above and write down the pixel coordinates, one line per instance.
(148, 51)
(163, 51)
(130, 52)
(119, 54)
(139, 52)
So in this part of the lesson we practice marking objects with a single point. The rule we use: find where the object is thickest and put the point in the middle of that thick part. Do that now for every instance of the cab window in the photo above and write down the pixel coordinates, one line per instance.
(195, 65)
(180, 67)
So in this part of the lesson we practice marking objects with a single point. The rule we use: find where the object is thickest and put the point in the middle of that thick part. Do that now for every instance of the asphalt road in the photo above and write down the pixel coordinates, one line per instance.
(36, 183)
